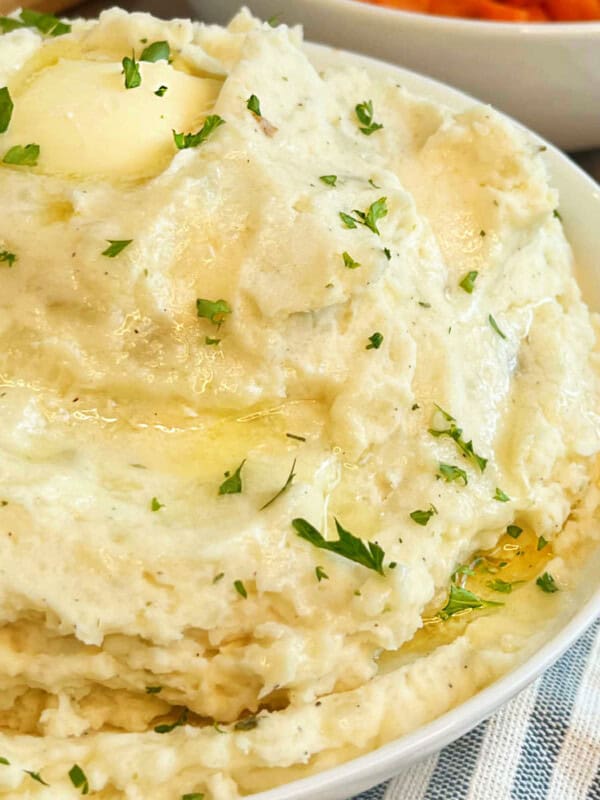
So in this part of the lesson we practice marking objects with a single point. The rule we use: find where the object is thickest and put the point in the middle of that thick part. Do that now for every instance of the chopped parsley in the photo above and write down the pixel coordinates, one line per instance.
(462, 600)
(541, 543)
(131, 70)
(375, 341)
(369, 218)
(284, 488)
(240, 589)
(214, 310)
(8, 24)
(78, 779)
(273, 21)
(24, 156)
(387, 253)
(36, 776)
(218, 577)
(468, 282)
(232, 483)
(455, 433)
(321, 574)
(192, 796)
(253, 105)
(546, 583)
(45, 23)
(294, 436)
(8, 258)
(116, 246)
(330, 180)
(157, 51)
(161, 90)
(369, 555)
(246, 724)
(494, 325)
(556, 214)
(450, 473)
(185, 140)
(514, 531)
(423, 517)
(464, 569)
(210, 341)
(168, 727)
(153, 689)
(155, 505)
(500, 586)
(349, 261)
(6, 108)
(4, 761)
(501, 496)
(364, 112)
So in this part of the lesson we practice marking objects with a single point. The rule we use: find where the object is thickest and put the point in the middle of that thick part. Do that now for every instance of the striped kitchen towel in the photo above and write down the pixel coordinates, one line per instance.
(543, 745)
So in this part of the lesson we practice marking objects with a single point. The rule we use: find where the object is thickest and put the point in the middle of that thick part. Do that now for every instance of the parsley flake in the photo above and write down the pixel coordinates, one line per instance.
(556, 214)
(284, 488)
(214, 310)
(369, 555)
(131, 70)
(155, 505)
(232, 483)
(273, 21)
(4, 761)
(450, 473)
(153, 689)
(6, 108)
(369, 218)
(157, 51)
(494, 325)
(115, 247)
(193, 795)
(321, 574)
(330, 180)
(364, 112)
(514, 531)
(294, 436)
(423, 517)
(500, 586)
(468, 282)
(168, 727)
(240, 589)
(185, 140)
(349, 261)
(8, 24)
(348, 221)
(161, 90)
(541, 543)
(455, 433)
(45, 23)
(501, 496)
(461, 600)
(78, 779)
(375, 341)
(218, 577)
(36, 776)
(210, 341)
(387, 253)
(546, 583)
(8, 258)
(246, 724)
(23, 156)
(253, 105)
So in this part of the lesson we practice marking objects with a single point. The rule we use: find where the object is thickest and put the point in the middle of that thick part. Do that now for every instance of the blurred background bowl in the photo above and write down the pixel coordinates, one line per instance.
(547, 75)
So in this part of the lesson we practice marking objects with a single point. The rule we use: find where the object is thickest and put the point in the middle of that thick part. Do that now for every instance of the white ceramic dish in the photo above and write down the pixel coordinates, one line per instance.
(545, 75)
(580, 209)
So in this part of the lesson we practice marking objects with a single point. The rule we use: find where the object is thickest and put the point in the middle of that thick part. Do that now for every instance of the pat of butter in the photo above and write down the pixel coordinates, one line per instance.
(87, 123)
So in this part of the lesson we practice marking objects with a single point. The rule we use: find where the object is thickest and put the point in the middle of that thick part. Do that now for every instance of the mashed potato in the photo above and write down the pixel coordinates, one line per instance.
(243, 298)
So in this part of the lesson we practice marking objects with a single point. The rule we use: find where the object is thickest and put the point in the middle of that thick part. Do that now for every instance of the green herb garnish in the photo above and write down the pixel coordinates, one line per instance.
(167, 728)
(218, 577)
(155, 505)
(285, 486)
(500, 586)
(185, 140)
(514, 531)
(116, 246)
(501, 496)
(153, 689)
(232, 483)
(246, 724)
(556, 214)
(349, 261)
(7, 257)
(330, 180)
(461, 600)
(45, 23)
(294, 436)
(273, 21)
(36, 776)
(375, 341)
(321, 574)
(387, 253)
(161, 90)
(348, 221)
(253, 105)
(450, 473)
(468, 282)
(370, 555)
(23, 156)
(194, 795)
(364, 112)
(240, 589)
(541, 543)
(157, 51)
(78, 779)
(455, 433)
(6, 108)
(8, 24)
(4, 761)
(210, 341)
(423, 517)
(214, 310)
(376, 211)
(131, 70)
(494, 325)
(546, 583)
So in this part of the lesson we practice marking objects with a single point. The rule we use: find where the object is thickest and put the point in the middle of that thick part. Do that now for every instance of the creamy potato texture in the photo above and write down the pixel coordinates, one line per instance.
(172, 637)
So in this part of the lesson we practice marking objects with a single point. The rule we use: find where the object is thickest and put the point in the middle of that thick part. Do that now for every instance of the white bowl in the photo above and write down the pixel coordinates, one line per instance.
(580, 209)
(545, 75)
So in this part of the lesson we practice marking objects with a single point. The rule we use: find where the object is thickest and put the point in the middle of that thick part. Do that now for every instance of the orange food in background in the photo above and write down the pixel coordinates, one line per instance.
(503, 10)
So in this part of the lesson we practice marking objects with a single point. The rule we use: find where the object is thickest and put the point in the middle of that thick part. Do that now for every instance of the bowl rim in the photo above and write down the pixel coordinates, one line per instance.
(475, 27)
(362, 772)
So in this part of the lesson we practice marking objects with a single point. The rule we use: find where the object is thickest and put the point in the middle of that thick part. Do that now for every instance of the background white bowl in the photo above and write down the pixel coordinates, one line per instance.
(580, 210)
(545, 75)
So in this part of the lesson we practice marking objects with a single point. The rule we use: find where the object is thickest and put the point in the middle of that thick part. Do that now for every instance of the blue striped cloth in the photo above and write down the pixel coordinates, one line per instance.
(543, 745)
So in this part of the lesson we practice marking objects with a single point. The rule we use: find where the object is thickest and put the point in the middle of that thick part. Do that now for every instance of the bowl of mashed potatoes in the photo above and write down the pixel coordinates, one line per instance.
(299, 411)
